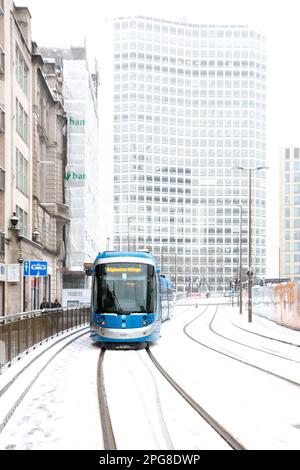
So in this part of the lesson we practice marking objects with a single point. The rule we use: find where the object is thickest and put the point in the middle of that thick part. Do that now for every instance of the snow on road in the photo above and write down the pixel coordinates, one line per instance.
(146, 412)
(260, 410)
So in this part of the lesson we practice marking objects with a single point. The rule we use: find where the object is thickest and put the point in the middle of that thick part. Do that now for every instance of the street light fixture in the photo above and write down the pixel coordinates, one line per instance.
(250, 273)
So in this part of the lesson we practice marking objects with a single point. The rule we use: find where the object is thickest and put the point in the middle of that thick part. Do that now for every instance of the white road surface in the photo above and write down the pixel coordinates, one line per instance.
(60, 411)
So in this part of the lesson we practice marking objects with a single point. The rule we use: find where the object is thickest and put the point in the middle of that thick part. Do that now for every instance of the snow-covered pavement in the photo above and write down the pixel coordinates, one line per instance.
(261, 410)
(61, 409)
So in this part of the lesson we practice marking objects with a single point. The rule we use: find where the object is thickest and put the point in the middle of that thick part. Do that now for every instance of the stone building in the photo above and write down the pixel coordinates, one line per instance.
(16, 146)
(50, 214)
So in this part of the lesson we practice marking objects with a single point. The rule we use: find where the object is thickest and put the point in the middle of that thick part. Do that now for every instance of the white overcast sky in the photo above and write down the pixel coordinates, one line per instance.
(68, 22)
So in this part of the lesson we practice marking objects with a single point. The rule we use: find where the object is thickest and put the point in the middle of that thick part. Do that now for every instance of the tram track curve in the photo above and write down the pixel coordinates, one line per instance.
(271, 353)
(231, 356)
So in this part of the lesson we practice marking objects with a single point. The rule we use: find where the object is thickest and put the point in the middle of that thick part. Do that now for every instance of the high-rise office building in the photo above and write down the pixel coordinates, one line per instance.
(189, 105)
(290, 213)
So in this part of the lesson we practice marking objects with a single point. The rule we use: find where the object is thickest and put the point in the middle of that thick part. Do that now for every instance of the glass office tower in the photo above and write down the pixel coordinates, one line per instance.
(189, 105)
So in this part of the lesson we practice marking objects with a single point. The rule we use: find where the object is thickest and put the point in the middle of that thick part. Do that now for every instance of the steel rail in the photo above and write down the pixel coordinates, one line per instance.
(107, 429)
(234, 358)
(275, 354)
(223, 433)
(269, 337)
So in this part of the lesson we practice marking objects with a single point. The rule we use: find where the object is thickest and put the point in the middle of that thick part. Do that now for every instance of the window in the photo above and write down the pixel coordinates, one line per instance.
(23, 221)
(2, 179)
(22, 71)
(22, 172)
(22, 121)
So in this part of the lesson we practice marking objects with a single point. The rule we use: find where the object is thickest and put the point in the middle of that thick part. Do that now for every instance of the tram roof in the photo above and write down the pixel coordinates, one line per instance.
(125, 254)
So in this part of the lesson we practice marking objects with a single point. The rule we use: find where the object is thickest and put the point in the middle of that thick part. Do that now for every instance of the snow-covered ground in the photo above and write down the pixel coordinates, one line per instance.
(146, 412)
(261, 410)
(61, 409)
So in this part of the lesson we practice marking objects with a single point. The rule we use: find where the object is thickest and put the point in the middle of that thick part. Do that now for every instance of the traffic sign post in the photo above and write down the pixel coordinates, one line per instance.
(35, 268)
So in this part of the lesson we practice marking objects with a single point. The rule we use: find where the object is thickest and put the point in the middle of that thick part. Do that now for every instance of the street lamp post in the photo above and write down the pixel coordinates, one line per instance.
(240, 256)
(128, 232)
(250, 169)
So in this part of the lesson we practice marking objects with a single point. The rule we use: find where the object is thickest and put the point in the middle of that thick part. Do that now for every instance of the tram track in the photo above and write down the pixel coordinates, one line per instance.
(15, 401)
(271, 353)
(107, 429)
(271, 338)
(220, 430)
(107, 424)
(231, 356)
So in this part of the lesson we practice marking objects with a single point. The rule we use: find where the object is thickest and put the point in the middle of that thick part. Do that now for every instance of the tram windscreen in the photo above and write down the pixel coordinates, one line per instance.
(124, 288)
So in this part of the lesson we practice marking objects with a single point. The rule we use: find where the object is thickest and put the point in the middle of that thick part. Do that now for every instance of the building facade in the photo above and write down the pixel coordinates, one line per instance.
(289, 217)
(82, 170)
(2, 164)
(50, 213)
(32, 160)
(16, 102)
(189, 105)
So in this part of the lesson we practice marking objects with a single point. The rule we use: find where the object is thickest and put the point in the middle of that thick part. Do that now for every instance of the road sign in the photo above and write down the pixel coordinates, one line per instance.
(26, 267)
(35, 268)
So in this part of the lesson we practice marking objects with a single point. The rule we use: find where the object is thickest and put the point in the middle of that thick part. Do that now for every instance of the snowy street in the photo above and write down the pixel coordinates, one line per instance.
(247, 383)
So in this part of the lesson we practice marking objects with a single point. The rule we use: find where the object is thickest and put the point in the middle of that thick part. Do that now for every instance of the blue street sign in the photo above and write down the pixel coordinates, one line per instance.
(26, 267)
(35, 268)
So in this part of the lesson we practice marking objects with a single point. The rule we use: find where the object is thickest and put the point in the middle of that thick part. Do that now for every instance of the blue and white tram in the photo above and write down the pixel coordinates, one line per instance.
(166, 295)
(129, 299)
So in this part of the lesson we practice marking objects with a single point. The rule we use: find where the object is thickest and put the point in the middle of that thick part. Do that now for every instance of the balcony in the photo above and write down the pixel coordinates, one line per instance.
(2, 61)
(60, 211)
(2, 179)
(2, 120)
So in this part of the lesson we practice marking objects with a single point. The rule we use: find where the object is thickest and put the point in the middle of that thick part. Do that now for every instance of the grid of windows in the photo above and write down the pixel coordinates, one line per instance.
(189, 104)
(290, 212)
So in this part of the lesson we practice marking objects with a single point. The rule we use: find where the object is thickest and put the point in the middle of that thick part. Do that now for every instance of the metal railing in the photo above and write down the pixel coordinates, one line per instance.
(19, 333)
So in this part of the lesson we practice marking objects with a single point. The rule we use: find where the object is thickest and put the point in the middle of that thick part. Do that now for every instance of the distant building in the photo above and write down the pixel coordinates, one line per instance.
(290, 212)
(82, 170)
(189, 105)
